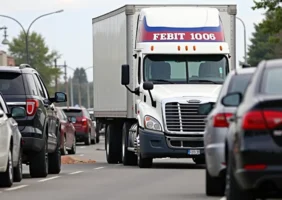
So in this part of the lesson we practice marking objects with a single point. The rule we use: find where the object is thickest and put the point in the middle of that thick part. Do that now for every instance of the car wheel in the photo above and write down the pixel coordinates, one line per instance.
(73, 148)
(88, 139)
(7, 177)
(215, 186)
(18, 170)
(39, 166)
(64, 149)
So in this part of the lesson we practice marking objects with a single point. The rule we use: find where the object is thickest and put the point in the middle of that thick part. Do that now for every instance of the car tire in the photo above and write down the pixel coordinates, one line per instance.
(233, 189)
(55, 162)
(88, 139)
(64, 149)
(7, 177)
(72, 151)
(128, 157)
(97, 137)
(18, 170)
(38, 167)
(113, 144)
(215, 186)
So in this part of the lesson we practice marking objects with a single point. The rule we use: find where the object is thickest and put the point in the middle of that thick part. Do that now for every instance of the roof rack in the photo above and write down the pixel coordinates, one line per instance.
(25, 66)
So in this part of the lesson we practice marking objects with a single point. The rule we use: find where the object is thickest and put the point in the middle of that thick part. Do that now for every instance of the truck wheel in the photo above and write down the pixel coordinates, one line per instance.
(215, 186)
(7, 177)
(18, 170)
(38, 167)
(128, 157)
(144, 162)
(113, 144)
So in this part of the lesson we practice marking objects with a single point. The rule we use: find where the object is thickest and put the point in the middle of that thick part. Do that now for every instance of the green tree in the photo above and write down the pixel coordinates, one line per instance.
(260, 48)
(273, 22)
(80, 83)
(41, 58)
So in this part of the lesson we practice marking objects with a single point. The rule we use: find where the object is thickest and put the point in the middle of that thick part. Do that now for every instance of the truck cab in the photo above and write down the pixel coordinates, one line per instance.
(180, 62)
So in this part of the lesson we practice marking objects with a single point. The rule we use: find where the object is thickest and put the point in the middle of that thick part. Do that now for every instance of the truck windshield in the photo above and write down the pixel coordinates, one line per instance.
(185, 69)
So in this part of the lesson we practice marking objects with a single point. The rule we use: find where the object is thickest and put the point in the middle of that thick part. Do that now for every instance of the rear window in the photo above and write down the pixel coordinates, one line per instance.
(11, 83)
(73, 112)
(239, 83)
(272, 81)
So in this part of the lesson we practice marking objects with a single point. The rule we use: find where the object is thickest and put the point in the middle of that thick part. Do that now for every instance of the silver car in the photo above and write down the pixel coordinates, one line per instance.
(10, 144)
(216, 129)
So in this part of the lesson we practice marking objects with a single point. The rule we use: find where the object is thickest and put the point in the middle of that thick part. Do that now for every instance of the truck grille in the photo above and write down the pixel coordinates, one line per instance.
(184, 118)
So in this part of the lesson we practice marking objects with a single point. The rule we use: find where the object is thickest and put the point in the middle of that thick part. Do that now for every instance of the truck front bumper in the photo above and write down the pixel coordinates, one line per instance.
(155, 144)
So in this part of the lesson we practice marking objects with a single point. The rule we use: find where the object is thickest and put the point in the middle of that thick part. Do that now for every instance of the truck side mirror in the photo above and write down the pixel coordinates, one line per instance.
(125, 75)
(148, 86)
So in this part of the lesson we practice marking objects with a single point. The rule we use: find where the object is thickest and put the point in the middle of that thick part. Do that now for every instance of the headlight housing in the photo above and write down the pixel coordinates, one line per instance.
(152, 124)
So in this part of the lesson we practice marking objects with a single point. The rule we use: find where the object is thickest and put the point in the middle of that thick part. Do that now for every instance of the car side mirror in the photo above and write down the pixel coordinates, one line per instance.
(148, 86)
(232, 99)
(125, 76)
(18, 112)
(60, 97)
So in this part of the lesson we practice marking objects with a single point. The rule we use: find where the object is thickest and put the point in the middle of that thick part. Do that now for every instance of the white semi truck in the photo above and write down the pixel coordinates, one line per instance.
(158, 70)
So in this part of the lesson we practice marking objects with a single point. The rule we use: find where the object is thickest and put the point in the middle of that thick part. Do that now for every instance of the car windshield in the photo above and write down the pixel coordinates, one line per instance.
(272, 81)
(73, 112)
(11, 83)
(185, 69)
(239, 83)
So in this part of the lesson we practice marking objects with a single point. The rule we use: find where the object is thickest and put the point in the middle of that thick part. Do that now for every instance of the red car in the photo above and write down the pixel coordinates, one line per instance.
(68, 139)
(85, 130)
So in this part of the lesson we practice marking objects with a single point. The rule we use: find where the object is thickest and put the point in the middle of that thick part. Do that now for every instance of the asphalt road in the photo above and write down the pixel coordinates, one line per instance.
(169, 179)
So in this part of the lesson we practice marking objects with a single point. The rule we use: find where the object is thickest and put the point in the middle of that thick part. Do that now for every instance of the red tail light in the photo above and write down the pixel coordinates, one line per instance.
(260, 120)
(221, 119)
(31, 106)
(255, 167)
(84, 122)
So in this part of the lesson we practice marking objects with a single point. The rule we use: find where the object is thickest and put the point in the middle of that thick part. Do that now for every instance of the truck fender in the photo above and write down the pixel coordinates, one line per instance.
(139, 121)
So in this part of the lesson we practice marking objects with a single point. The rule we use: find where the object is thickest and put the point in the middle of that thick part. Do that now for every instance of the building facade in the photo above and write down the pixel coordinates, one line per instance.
(6, 60)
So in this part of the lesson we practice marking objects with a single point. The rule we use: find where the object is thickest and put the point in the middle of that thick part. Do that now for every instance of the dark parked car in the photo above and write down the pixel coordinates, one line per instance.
(68, 139)
(85, 130)
(23, 87)
(254, 142)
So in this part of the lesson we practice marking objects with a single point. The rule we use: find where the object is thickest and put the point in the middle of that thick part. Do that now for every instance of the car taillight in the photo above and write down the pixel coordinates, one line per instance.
(84, 122)
(31, 106)
(260, 120)
(221, 119)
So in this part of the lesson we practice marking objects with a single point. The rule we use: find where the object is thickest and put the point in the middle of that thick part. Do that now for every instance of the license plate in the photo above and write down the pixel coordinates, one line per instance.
(194, 152)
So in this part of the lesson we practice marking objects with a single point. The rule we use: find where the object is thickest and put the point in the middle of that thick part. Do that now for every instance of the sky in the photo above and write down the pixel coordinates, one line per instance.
(70, 32)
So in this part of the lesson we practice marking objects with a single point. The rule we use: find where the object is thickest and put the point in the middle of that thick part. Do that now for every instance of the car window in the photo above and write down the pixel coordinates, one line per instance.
(39, 86)
(272, 81)
(31, 84)
(11, 83)
(73, 112)
(239, 83)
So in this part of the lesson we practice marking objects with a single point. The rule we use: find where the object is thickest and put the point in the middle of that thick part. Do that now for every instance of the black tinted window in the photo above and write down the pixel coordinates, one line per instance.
(11, 83)
(272, 81)
(31, 84)
(239, 83)
(73, 112)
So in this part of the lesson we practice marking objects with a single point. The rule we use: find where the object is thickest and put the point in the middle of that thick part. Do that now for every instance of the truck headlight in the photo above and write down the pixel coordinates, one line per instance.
(151, 123)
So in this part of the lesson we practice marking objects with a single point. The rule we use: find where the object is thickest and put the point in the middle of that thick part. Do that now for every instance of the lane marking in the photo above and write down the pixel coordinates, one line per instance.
(99, 168)
(48, 179)
(15, 188)
(77, 172)
(82, 147)
(81, 155)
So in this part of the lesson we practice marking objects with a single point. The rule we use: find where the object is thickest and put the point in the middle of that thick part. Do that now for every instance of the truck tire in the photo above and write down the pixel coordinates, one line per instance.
(7, 177)
(215, 186)
(113, 144)
(38, 167)
(144, 162)
(128, 157)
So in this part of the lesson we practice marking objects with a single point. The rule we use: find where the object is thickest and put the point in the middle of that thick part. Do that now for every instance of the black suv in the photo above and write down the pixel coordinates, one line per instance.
(23, 87)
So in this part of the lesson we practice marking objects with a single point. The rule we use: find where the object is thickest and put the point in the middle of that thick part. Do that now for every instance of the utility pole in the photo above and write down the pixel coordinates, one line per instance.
(56, 77)
(88, 96)
(66, 81)
(71, 90)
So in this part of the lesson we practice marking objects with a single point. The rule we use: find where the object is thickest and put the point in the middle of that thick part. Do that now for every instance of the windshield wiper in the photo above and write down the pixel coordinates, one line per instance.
(204, 81)
(162, 80)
